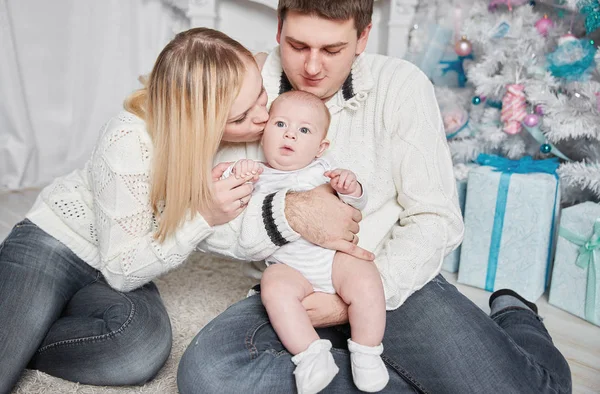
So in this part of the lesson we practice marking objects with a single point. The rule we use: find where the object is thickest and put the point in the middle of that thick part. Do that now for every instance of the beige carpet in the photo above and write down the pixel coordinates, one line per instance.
(193, 295)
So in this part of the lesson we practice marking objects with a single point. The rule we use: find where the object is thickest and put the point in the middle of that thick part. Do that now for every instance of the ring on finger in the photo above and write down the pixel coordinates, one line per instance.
(242, 203)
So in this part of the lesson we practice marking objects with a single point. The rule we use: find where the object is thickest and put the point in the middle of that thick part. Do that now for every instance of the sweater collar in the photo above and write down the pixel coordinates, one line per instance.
(353, 92)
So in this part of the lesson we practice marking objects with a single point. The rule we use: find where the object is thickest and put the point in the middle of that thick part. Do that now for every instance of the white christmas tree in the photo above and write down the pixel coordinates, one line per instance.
(532, 85)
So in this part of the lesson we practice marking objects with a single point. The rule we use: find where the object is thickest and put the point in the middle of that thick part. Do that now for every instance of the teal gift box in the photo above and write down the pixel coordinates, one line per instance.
(575, 283)
(461, 172)
(509, 225)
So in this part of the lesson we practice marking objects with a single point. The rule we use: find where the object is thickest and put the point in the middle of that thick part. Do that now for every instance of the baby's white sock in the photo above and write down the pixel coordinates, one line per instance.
(368, 370)
(315, 367)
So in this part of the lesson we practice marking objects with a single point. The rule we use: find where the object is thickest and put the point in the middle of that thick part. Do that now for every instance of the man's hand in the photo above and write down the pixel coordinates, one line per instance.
(320, 217)
(325, 310)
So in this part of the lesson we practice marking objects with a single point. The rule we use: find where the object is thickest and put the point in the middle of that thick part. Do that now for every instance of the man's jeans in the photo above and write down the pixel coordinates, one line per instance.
(58, 315)
(436, 342)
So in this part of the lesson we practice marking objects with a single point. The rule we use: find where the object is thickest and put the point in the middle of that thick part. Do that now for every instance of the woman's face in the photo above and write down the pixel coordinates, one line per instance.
(248, 114)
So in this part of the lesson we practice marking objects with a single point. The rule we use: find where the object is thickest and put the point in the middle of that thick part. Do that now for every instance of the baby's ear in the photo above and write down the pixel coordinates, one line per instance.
(323, 147)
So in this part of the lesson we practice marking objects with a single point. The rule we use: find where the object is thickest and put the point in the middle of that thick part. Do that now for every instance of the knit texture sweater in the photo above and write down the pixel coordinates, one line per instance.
(386, 127)
(103, 213)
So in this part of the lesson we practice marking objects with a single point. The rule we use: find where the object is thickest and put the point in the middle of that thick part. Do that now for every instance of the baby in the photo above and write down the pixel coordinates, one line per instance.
(293, 142)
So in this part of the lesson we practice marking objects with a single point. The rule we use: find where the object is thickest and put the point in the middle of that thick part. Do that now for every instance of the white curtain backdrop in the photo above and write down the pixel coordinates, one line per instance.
(66, 67)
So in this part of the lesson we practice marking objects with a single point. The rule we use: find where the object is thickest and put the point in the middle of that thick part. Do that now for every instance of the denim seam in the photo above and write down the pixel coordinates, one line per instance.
(508, 309)
(25, 223)
(96, 338)
(402, 372)
(538, 368)
(249, 340)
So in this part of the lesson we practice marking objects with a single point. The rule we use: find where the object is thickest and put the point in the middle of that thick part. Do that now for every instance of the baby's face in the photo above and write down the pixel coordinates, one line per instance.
(294, 135)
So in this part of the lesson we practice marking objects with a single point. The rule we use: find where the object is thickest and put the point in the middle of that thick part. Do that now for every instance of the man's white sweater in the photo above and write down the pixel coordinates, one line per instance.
(386, 127)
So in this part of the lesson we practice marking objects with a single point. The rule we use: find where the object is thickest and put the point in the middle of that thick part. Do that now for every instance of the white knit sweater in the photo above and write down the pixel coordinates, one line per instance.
(103, 213)
(386, 127)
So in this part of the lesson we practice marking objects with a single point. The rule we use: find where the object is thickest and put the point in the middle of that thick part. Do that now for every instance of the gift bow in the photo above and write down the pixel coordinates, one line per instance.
(522, 166)
(589, 249)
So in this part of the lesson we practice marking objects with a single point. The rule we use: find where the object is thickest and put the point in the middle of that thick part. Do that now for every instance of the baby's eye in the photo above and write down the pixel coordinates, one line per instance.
(304, 130)
(279, 123)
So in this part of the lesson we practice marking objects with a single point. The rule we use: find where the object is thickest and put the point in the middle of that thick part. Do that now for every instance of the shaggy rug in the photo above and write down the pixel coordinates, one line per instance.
(193, 294)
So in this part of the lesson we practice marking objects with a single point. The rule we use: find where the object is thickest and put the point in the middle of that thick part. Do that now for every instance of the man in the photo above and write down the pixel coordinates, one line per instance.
(386, 127)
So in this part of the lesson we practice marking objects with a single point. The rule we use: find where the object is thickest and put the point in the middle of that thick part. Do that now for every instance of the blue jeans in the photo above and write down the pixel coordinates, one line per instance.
(59, 316)
(436, 342)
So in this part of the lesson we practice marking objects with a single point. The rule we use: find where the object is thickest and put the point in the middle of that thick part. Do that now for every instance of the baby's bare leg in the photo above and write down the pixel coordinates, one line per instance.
(282, 290)
(358, 283)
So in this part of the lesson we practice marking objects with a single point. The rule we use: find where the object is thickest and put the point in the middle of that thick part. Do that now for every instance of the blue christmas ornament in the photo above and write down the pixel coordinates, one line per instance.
(591, 10)
(572, 60)
(545, 148)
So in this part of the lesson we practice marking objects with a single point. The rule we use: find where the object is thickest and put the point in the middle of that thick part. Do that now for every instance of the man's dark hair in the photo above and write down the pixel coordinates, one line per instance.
(340, 10)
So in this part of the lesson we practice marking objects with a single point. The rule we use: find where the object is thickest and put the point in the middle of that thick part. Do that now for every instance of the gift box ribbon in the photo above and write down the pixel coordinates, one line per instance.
(589, 251)
(526, 165)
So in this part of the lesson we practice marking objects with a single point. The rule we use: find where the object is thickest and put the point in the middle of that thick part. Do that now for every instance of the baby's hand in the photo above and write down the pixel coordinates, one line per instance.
(246, 167)
(344, 182)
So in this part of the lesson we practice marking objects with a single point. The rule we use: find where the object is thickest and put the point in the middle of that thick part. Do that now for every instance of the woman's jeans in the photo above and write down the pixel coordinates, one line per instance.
(436, 342)
(59, 316)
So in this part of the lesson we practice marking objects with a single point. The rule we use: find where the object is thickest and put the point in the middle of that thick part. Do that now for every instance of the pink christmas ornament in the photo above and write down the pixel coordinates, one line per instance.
(539, 109)
(454, 120)
(509, 4)
(463, 47)
(513, 109)
(544, 25)
(531, 120)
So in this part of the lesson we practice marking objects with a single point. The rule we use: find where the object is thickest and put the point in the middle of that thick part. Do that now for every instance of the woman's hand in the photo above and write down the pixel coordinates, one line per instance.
(320, 217)
(325, 310)
(231, 195)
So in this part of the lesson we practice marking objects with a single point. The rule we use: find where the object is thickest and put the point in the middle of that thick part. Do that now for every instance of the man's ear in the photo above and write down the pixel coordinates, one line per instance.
(363, 38)
(279, 26)
(324, 145)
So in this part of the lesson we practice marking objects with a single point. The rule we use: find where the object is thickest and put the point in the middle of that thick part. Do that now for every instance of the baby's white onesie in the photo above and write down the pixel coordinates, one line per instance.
(313, 262)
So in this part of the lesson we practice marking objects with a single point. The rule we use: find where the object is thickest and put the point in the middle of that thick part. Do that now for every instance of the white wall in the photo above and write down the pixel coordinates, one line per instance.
(67, 65)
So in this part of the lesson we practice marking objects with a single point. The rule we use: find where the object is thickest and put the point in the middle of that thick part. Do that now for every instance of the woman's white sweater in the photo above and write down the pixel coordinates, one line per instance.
(103, 214)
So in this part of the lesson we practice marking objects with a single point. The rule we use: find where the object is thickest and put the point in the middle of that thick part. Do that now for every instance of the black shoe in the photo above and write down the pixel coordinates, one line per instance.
(509, 292)
(253, 291)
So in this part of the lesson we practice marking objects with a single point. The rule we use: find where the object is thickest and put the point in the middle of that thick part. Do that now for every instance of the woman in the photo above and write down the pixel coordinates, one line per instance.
(76, 297)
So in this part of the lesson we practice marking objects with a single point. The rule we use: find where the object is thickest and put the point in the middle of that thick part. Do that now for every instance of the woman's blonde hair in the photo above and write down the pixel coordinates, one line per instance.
(185, 103)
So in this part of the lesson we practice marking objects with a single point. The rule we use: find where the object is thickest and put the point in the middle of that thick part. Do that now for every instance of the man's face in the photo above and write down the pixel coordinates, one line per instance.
(317, 53)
